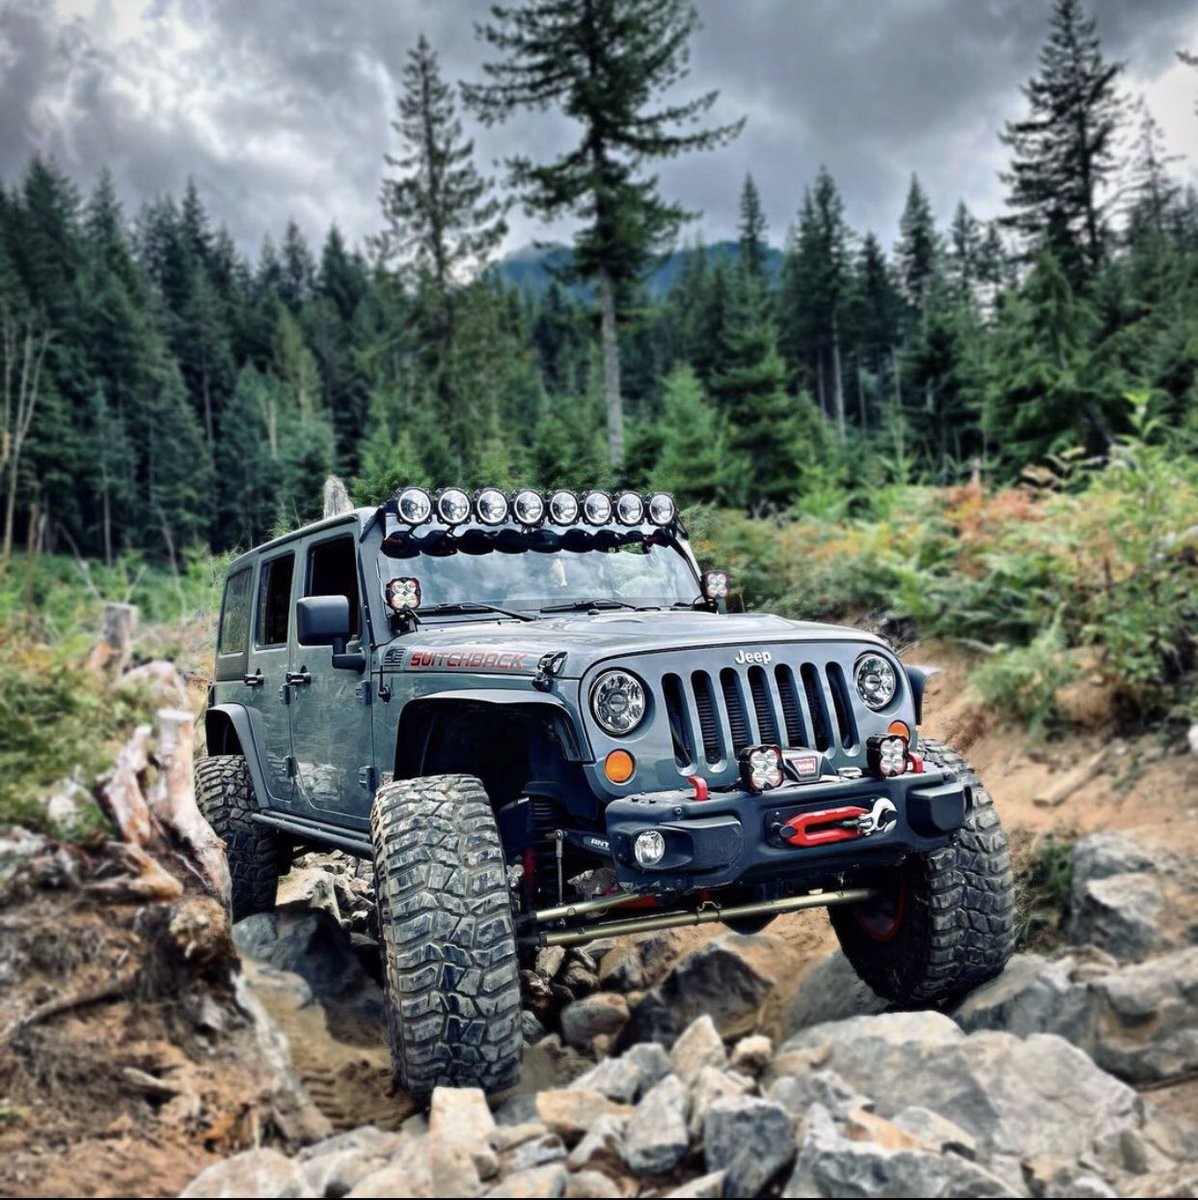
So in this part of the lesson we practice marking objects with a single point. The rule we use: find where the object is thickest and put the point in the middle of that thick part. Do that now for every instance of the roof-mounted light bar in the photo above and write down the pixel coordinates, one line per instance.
(529, 508)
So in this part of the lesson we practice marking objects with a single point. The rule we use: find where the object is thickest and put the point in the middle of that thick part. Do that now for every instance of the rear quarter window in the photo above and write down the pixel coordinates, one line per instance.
(233, 640)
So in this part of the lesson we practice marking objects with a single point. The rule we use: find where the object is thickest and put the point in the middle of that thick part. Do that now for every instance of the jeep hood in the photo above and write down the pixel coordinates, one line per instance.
(589, 639)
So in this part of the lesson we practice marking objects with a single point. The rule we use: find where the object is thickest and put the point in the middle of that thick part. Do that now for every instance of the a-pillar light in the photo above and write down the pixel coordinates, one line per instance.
(887, 756)
(761, 767)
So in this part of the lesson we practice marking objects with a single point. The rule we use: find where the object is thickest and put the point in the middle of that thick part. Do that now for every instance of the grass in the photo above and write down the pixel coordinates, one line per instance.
(1043, 886)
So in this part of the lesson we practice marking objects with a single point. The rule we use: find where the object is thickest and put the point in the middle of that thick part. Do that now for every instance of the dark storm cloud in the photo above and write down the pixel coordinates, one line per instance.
(279, 109)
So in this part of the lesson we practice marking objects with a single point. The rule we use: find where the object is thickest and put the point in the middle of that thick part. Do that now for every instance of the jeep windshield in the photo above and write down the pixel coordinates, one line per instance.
(540, 572)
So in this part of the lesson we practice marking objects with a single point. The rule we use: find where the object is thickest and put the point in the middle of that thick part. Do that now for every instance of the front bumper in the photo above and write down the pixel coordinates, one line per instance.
(738, 837)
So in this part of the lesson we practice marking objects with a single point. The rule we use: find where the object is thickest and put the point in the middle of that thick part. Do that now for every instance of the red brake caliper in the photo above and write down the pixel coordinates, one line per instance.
(819, 828)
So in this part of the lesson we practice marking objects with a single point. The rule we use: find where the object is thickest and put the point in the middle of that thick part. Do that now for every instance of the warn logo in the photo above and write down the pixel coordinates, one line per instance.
(763, 657)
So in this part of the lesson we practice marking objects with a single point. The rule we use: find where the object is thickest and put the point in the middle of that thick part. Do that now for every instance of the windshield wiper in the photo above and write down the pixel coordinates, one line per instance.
(584, 605)
(472, 606)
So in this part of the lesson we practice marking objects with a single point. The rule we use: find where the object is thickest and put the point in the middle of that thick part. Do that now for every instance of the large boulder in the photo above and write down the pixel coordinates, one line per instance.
(1019, 1098)
(308, 942)
(1138, 1021)
(1119, 914)
(830, 991)
(725, 979)
(830, 1163)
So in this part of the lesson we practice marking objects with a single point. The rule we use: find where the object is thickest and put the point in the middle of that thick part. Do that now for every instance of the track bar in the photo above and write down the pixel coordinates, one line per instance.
(703, 916)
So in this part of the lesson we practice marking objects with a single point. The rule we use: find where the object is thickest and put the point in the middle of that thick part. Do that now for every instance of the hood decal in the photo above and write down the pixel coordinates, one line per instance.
(470, 658)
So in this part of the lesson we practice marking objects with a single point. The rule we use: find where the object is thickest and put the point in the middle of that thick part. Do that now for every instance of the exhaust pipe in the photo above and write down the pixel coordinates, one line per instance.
(705, 915)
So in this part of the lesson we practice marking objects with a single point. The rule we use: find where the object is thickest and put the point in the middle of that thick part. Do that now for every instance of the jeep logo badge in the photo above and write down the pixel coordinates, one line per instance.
(763, 657)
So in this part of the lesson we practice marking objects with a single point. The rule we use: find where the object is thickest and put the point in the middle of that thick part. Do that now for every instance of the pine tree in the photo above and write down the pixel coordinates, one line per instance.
(1048, 391)
(752, 231)
(812, 295)
(918, 247)
(693, 463)
(605, 63)
(443, 223)
(964, 251)
(1066, 149)
(749, 390)
(873, 328)
(297, 269)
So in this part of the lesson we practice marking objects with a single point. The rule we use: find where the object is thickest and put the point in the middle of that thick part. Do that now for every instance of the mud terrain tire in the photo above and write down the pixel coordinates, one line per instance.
(946, 920)
(257, 855)
(449, 947)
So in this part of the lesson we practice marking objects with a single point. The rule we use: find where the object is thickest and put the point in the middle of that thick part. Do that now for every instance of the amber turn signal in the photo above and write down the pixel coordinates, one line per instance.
(899, 729)
(619, 766)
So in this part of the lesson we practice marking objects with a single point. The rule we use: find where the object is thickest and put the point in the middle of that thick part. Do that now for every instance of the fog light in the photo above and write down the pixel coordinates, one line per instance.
(649, 848)
(761, 767)
(887, 756)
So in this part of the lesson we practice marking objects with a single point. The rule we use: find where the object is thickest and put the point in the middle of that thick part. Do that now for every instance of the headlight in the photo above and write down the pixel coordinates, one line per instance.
(618, 702)
(415, 506)
(875, 679)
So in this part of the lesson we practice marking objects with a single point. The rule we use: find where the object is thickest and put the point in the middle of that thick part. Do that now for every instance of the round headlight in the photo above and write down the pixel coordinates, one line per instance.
(596, 508)
(618, 702)
(453, 506)
(661, 509)
(415, 506)
(630, 509)
(563, 508)
(492, 506)
(875, 679)
(528, 507)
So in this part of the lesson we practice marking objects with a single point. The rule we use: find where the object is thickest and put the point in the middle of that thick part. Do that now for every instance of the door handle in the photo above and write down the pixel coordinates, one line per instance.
(254, 680)
(299, 678)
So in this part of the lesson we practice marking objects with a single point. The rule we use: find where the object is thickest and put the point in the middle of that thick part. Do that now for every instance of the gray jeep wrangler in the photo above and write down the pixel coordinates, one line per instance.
(534, 715)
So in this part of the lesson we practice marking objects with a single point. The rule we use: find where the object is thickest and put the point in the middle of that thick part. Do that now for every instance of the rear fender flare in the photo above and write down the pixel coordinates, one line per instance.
(229, 729)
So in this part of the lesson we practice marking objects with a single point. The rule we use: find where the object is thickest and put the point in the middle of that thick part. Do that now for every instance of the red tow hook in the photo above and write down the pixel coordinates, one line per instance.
(820, 828)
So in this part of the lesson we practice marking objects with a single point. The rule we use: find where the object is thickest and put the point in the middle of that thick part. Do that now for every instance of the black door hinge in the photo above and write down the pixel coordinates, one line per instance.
(365, 693)
(368, 778)
(292, 767)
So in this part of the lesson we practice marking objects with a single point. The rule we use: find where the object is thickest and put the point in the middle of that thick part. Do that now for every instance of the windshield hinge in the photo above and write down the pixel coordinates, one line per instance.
(548, 668)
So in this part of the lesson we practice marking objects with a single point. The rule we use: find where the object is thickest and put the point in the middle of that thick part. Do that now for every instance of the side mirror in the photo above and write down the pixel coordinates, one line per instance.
(323, 621)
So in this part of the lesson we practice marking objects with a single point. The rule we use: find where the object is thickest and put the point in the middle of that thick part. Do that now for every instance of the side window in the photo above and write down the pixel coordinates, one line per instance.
(233, 640)
(274, 601)
(333, 571)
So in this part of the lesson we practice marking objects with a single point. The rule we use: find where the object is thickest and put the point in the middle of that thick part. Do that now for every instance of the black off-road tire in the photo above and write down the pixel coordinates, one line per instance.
(257, 855)
(449, 945)
(946, 920)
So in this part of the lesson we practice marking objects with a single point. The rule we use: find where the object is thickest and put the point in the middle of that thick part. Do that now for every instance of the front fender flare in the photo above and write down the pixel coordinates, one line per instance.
(918, 677)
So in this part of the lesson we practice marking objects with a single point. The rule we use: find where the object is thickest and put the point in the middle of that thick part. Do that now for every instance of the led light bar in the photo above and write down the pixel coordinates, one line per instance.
(528, 507)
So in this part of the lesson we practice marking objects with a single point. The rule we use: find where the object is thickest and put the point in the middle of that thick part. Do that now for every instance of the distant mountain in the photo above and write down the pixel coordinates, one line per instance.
(530, 269)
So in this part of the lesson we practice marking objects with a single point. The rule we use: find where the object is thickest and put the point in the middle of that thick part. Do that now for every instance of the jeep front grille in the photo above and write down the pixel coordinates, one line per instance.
(713, 719)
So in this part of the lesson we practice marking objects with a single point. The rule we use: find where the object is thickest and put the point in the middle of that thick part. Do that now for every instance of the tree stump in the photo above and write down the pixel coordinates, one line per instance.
(114, 650)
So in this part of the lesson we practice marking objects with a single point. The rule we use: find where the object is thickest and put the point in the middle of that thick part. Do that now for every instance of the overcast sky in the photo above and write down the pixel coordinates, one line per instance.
(281, 108)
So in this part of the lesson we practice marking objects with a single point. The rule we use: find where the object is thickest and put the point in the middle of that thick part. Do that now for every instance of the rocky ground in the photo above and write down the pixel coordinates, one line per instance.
(658, 1067)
